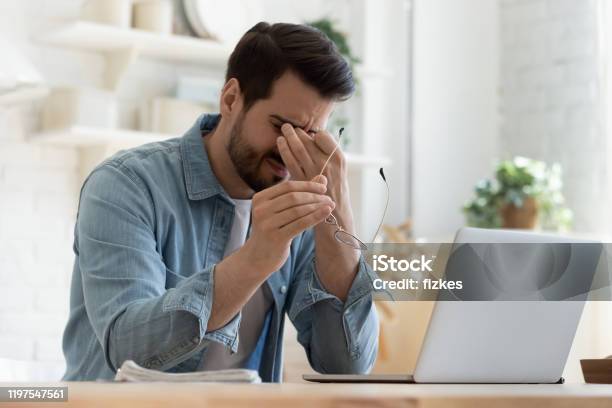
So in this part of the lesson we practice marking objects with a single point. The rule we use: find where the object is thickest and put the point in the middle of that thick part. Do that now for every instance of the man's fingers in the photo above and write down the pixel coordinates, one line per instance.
(320, 179)
(294, 199)
(290, 160)
(297, 148)
(307, 221)
(289, 215)
(316, 154)
(325, 141)
(289, 186)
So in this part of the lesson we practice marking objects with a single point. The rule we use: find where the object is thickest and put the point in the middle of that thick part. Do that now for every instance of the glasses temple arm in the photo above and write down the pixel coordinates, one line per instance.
(382, 219)
(333, 151)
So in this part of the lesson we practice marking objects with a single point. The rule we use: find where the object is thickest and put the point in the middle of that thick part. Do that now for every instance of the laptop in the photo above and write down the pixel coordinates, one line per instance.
(513, 341)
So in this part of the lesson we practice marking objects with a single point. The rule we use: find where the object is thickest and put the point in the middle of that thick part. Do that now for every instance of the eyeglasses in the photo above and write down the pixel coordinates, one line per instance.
(341, 234)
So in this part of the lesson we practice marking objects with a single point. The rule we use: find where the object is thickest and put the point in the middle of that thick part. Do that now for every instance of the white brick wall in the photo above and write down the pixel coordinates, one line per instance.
(551, 106)
(38, 197)
(550, 96)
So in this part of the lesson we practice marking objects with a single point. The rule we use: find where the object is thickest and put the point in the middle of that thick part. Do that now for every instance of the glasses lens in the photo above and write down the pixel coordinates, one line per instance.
(350, 240)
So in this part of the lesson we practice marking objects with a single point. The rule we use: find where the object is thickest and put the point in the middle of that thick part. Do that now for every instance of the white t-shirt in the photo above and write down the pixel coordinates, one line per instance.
(218, 356)
(240, 226)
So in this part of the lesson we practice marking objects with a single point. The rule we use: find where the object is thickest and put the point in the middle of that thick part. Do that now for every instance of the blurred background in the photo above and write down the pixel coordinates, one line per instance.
(491, 113)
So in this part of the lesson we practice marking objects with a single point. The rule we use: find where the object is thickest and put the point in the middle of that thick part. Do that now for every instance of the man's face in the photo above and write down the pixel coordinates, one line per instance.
(252, 145)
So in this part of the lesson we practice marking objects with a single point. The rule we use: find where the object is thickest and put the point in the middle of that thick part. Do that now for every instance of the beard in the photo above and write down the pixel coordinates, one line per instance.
(248, 162)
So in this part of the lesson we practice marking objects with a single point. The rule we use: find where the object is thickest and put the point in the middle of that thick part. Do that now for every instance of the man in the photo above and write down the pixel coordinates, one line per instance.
(190, 251)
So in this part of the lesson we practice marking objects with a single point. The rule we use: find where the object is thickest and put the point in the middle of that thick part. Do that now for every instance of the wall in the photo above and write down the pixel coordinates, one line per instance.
(548, 91)
(386, 36)
(455, 102)
(37, 206)
(551, 97)
(551, 106)
(38, 198)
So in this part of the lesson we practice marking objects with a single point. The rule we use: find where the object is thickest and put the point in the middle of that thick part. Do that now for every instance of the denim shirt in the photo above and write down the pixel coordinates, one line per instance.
(152, 223)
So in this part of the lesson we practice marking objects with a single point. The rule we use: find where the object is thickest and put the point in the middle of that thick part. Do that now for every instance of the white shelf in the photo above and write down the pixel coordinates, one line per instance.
(92, 137)
(90, 36)
(24, 94)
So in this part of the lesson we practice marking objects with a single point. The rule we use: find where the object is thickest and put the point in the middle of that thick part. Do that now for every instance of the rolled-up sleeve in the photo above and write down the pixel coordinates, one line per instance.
(132, 313)
(338, 337)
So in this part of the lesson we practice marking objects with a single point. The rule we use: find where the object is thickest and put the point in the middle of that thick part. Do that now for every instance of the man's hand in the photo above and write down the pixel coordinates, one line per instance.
(279, 214)
(305, 156)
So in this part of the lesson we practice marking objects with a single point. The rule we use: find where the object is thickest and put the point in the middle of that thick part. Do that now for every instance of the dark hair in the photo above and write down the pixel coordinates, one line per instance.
(267, 51)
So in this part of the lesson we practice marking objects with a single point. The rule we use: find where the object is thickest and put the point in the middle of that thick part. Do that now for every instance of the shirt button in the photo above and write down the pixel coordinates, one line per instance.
(283, 289)
(195, 340)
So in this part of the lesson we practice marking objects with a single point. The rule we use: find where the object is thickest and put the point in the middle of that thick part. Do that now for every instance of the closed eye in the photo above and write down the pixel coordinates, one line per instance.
(277, 127)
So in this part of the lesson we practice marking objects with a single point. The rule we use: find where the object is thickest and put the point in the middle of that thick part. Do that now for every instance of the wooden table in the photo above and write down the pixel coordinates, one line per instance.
(135, 395)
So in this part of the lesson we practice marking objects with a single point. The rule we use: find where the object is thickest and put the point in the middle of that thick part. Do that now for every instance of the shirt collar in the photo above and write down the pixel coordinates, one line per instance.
(200, 180)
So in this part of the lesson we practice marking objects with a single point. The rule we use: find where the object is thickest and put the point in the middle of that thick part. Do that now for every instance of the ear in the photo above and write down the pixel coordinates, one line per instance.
(231, 98)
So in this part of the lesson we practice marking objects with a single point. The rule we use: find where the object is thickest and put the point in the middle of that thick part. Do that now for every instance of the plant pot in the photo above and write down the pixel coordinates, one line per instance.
(525, 217)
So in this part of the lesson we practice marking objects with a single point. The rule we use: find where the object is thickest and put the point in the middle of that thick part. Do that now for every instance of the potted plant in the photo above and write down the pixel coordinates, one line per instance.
(524, 193)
